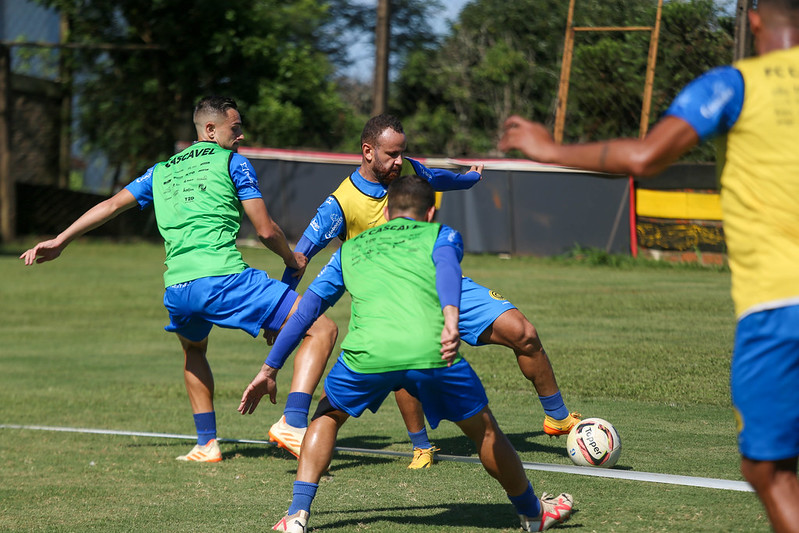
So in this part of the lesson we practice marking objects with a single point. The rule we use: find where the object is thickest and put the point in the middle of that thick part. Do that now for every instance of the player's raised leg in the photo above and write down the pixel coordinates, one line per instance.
(200, 388)
(489, 318)
(513, 330)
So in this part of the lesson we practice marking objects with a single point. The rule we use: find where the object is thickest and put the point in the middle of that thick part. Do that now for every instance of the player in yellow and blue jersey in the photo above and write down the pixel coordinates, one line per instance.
(752, 107)
(486, 316)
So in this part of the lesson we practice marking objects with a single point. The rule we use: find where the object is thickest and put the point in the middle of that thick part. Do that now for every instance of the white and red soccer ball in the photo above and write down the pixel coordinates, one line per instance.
(594, 442)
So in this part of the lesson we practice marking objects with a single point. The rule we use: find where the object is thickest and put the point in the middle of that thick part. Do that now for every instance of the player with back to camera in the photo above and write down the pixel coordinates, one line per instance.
(486, 317)
(403, 276)
(199, 195)
(753, 106)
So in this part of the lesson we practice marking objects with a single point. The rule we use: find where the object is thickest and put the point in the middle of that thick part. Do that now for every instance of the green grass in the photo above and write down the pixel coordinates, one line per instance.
(82, 345)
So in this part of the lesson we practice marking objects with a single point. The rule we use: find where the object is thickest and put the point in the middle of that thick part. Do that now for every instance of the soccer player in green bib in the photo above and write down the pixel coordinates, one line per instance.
(486, 317)
(404, 277)
(199, 196)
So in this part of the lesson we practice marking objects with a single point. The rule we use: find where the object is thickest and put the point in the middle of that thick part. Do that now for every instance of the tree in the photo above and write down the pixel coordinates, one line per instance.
(497, 60)
(500, 60)
(605, 95)
(410, 26)
(270, 55)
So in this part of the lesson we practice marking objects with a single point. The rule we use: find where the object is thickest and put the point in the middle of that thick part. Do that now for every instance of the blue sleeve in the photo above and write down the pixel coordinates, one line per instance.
(327, 224)
(329, 284)
(309, 309)
(711, 103)
(449, 237)
(244, 178)
(142, 188)
(445, 180)
(324, 292)
(447, 255)
(308, 249)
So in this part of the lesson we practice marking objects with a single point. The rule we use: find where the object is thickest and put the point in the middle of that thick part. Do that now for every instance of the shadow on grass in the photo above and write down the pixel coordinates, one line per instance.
(460, 444)
(522, 442)
(230, 450)
(450, 514)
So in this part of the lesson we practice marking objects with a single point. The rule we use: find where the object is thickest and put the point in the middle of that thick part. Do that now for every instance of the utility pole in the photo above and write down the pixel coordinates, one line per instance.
(65, 79)
(743, 37)
(382, 52)
(8, 202)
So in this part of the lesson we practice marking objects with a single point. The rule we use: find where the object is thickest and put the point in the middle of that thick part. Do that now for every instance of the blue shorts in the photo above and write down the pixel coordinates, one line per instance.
(447, 393)
(249, 301)
(765, 384)
(480, 307)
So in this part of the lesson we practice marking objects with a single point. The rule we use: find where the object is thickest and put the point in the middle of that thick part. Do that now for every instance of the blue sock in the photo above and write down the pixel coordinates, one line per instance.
(297, 406)
(420, 439)
(526, 503)
(554, 406)
(206, 427)
(302, 497)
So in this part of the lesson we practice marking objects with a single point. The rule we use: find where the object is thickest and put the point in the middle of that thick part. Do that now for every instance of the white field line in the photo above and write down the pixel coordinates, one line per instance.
(651, 477)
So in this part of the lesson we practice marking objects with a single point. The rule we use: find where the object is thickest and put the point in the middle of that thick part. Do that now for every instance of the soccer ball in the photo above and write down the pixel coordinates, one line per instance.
(594, 442)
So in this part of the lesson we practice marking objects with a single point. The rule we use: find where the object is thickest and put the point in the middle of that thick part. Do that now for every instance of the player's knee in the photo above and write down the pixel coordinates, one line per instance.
(479, 427)
(195, 351)
(766, 475)
(526, 339)
(326, 329)
(759, 474)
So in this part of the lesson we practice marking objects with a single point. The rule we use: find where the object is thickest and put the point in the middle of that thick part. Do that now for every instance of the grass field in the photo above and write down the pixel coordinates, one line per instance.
(82, 345)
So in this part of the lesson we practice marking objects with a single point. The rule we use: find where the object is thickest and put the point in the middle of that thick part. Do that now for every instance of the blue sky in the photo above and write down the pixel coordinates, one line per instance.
(362, 51)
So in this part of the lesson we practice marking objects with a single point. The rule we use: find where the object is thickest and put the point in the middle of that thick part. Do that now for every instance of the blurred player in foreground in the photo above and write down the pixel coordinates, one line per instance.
(403, 276)
(199, 195)
(754, 105)
(486, 317)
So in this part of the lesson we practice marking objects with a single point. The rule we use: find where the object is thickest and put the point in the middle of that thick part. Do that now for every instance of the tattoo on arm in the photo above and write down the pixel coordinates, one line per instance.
(603, 156)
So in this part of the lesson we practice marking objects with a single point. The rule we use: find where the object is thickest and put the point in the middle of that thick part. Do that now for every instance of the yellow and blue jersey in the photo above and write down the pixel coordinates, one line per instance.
(357, 204)
(754, 108)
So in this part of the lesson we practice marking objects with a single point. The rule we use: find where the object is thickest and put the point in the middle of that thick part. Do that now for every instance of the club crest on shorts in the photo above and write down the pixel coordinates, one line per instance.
(495, 295)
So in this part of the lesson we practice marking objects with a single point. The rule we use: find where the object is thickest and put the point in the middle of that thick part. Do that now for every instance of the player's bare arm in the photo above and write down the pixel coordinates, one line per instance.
(270, 234)
(450, 335)
(478, 169)
(665, 143)
(262, 384)
(93, 218)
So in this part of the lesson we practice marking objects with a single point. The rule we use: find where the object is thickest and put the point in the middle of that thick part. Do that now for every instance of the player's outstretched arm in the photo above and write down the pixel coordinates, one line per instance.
(442, 179)
(270, 234)
(93, 218)
(262, 384)
(669, 139)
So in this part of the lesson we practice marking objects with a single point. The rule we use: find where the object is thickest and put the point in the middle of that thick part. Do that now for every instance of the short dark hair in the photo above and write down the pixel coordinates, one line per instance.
(410, 193)
(215, 105)
(375, 126)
